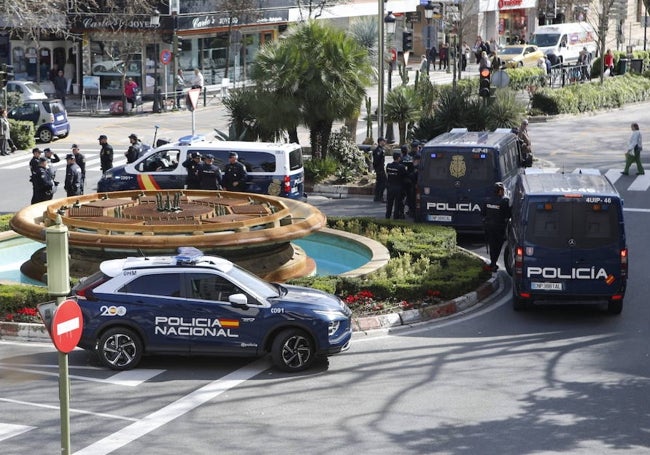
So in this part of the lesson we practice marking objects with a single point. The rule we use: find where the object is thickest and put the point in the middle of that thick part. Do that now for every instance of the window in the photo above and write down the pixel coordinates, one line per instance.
(164, 285)
(212, 287)
(295, 159)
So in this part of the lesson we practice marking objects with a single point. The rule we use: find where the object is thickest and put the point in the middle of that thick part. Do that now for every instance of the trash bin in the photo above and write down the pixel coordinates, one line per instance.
(623, 65)
(636, 65)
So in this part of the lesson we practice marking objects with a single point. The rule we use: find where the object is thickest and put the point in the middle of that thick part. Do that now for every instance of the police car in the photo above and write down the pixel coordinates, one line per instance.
(195, 304)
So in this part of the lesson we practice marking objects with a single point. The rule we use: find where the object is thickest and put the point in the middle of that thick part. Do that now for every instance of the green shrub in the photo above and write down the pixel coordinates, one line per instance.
(318, 169)
(351, 161)
(4, 222)
(23, 134)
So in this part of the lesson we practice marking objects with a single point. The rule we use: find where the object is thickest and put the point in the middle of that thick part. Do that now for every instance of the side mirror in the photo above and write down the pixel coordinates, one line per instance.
(239, 301)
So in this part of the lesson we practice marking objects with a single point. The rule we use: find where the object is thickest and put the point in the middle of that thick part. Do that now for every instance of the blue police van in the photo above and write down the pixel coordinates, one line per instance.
(275, 169)
(457, 174)
(566, 240)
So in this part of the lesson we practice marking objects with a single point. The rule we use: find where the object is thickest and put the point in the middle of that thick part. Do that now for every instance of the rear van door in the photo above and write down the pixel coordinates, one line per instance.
(573, 246)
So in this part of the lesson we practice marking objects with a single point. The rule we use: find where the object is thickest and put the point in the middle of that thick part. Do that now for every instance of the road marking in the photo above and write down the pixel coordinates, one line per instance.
(175, 410)
(76, 411)
(124, 378)
(613, 175)
(640, 183)
(9, 431)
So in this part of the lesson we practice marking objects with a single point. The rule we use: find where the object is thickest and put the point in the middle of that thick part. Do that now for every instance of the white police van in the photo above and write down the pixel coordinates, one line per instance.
(566, 40)
(566, 240)
(275, 169)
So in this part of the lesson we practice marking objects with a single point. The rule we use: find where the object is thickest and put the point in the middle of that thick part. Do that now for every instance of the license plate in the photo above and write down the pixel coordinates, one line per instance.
(59, 118)
(546, 286)
(445, 218)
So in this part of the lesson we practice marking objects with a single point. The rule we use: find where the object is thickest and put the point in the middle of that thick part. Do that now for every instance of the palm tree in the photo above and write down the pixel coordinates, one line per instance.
(402, 107)
(319, 73)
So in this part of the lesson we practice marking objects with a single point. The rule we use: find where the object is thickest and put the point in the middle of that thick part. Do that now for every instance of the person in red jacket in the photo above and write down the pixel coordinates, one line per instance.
(130, 87)
(608, 61)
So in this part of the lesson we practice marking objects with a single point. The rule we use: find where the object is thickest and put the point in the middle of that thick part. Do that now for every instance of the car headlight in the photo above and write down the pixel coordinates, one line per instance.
(108, 174)
(333, 327)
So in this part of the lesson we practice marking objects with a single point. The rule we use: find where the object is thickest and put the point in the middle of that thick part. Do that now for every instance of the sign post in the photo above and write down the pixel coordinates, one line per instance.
(66, 326)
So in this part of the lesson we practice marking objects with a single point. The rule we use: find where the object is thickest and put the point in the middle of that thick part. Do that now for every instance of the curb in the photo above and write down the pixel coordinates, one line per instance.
(338, 191)
(22, 331)
(437, 311)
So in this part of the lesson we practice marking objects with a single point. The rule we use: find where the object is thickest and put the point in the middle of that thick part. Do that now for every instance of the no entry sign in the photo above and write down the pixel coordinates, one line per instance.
(67, 325)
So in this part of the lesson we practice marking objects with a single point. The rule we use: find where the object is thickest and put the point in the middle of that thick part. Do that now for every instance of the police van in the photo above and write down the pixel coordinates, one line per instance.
(275, 169)
(566, 40)
(566, 240)
(457, 174)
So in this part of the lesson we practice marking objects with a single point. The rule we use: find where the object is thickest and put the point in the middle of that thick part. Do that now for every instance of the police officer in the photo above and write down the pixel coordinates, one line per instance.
(42, 182)
(234, 174)
(80, 160)
(496, 213)
(395, 175)
(408, 185)
(105, 153)
(133, 152)
(209, 174)
(33, 170)
(51, 159)
(378, 163)
(192, 164)
(413, 180)
(73, 177)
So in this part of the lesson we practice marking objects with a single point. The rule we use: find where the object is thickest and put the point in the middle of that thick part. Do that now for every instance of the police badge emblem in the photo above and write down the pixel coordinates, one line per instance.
(457, 167)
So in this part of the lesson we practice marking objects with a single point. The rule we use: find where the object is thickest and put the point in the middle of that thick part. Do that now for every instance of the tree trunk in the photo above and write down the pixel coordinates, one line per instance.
(293, 135)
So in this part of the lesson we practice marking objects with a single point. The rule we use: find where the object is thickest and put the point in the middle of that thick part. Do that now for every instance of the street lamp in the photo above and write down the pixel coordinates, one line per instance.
(428, 14)
(390, 21)
(154, 21)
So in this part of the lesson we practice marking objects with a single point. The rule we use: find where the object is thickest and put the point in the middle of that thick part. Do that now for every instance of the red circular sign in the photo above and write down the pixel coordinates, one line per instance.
(67, 325)
(165, 56)
(393, 55)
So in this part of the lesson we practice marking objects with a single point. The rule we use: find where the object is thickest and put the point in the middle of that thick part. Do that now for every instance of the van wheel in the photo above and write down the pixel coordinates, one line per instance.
(615, 306)
(45, 135)
(508, 260)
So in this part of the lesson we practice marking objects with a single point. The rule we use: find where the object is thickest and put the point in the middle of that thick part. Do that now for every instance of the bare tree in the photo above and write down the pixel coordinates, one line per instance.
(238, 12)
(313, 9)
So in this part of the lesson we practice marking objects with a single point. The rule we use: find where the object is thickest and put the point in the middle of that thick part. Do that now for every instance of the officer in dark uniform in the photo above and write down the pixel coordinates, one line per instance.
(133, 152)
(407, 186)
(51, 159)
(413, 181)
(234, 174)
(209, 174)
(395, 173)
(378, 163)
(33, 170)
(105, 153)
(80, 160)
(42, 181)
(192, 164)
(496, 213)
(73, 177)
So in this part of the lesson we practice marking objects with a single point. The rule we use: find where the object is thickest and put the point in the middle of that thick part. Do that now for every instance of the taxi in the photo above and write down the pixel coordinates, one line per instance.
(520, 55)
(196, 304)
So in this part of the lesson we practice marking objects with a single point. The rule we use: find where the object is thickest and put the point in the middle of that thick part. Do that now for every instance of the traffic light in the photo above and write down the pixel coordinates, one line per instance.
(179, 46)
(407, 40)
(484, 83)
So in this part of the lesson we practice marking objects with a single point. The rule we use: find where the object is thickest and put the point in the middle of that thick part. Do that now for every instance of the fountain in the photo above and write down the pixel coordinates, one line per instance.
(254, 231)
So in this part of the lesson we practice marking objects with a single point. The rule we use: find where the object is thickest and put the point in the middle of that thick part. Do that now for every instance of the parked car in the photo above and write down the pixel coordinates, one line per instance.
(27, 89)
(49, 117)
(520, 55)
(108, 66)
(195, 304)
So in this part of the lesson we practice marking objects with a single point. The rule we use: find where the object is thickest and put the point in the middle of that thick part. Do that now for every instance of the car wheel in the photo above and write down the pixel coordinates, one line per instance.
(293, 350)
(508, 260)
(615, 306)
(119, 348)
(45, 135)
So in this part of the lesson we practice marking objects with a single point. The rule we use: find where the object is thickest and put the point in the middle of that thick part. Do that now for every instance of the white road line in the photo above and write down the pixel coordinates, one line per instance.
(130, 379)
(9, 431)
(613, 175)
(72, 410)
(174, 410)
(640, 183)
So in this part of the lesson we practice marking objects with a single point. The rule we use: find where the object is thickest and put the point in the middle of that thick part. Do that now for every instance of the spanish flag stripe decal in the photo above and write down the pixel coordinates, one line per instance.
(229, 322)
(146, 182)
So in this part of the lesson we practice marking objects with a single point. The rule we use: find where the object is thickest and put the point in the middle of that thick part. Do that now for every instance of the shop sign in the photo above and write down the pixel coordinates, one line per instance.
(207, 21)
(116, 23)
(508, 4)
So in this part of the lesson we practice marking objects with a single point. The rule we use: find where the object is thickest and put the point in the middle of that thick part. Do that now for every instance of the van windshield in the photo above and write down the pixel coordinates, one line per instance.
(444, 168)
(545, 40)
(586, 225)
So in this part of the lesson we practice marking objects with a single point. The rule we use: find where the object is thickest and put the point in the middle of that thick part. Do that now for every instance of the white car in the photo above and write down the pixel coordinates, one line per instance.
(108, 66)
(27, 89)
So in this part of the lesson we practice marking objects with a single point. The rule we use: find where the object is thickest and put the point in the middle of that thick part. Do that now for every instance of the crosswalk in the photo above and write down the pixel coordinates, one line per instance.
(20, 160)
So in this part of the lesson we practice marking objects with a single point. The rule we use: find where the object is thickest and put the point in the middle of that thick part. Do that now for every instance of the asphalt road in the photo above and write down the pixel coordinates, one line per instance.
(552, 380)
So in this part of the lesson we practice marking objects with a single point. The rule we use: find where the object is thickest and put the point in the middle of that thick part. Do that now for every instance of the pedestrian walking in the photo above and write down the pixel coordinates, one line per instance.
(433, 55)
(133, 152)
(193, 164)
(424, 65)
(378, 164)
(209, 174)
(105, 153)
(395, 175)
(234, 174)
(42, 182)
(130, 92)
(5, 132)
(60, 86)
(634, 148)
(495, 213)
(180, 86)
(73, 178)
(81, 162)
(197, 80)
(443, 57)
